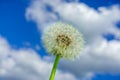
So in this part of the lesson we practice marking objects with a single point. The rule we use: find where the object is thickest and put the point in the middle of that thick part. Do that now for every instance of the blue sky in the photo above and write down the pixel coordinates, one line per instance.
(21, 32)
(14, 24)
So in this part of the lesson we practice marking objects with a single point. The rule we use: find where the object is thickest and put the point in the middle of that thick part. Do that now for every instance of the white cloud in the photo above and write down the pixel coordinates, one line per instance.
(89, 21)
(26, 64)
(99, 55)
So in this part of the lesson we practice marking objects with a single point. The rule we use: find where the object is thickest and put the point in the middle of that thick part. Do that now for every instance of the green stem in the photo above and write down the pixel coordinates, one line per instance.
(54, 67)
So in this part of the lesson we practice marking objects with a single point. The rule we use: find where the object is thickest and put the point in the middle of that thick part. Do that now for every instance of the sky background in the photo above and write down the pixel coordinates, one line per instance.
(22, 54)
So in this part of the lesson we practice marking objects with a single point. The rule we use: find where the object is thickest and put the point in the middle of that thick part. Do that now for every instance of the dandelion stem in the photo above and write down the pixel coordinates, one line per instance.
(54, 67)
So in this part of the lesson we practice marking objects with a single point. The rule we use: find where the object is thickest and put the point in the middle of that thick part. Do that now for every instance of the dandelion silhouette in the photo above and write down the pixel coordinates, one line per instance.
(63, 41)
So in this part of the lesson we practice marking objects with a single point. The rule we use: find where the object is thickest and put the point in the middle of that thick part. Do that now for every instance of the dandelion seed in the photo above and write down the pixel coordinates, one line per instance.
(64, 41)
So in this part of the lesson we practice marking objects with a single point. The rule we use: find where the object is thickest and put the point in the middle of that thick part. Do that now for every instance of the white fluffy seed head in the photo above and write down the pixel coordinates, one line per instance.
(63, 39)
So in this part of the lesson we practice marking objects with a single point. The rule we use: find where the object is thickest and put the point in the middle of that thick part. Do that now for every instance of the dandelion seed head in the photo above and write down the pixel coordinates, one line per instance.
(63, 39)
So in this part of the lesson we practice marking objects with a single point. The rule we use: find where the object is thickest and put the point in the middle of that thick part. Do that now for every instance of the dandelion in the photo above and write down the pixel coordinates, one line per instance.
(63, 41)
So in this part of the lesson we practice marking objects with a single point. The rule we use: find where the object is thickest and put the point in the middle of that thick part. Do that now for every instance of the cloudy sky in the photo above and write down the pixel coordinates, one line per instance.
(22, 54)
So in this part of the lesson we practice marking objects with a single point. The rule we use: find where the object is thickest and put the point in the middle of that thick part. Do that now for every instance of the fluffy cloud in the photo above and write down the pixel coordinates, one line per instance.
(89, 21)
(26, 64)
(99, 55)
